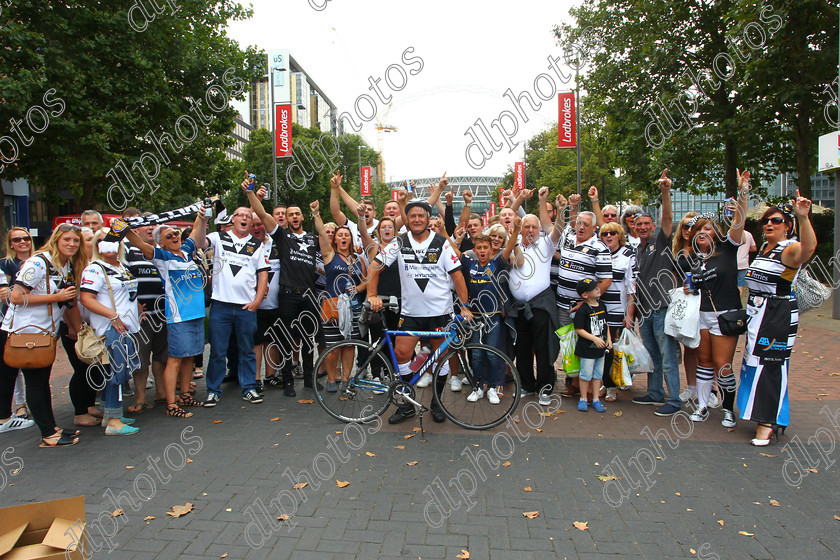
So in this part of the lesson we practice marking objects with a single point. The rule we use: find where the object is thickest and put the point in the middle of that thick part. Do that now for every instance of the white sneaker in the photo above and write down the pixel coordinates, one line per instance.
(689, 394)
(425, 380)
(699, 415)
(492, 396)
(150, 382)
(455, 384)
(545, 398)
(475, 395)
(16, 423)
(728, 419)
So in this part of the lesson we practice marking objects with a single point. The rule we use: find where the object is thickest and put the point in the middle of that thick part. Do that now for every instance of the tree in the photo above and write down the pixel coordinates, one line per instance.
(679, 84)
(110, 80)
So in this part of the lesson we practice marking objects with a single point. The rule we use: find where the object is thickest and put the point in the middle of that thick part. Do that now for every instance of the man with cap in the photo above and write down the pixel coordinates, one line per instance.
(426, 262)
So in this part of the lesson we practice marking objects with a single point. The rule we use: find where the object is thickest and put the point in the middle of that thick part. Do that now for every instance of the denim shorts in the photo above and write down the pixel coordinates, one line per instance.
(186, 339)
(591, 368)
(742, 277)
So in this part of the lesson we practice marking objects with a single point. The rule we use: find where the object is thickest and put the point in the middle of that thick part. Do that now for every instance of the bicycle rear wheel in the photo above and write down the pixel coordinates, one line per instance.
(481, 414)
(365, 398)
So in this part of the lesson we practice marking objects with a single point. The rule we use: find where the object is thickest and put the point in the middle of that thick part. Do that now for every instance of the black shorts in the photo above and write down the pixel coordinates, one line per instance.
(435, 323)
(265, 319)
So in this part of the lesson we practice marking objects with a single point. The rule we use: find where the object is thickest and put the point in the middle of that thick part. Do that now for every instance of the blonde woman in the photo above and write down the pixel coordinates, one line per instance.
(681, 249)
(18, 249)
(44, 294)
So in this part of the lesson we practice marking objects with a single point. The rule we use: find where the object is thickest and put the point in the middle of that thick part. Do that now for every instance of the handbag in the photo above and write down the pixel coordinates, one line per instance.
(810, 293)
(31, 350)
(90, 348)
(731, 323)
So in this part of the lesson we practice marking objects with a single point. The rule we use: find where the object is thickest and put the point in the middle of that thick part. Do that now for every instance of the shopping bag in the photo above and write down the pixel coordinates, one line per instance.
(620, 373)
(682, 321)
(568, 339)
(637, 357)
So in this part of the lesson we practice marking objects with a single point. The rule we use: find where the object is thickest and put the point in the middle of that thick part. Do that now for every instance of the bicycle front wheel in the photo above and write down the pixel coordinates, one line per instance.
(479, 368)
(362, 379)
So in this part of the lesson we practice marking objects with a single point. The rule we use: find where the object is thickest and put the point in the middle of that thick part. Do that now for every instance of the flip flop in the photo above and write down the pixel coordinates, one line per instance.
(139, 407)
(197, 375)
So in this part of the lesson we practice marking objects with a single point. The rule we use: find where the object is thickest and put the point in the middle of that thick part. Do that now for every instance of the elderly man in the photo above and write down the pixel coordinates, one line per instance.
(655, 278)
(240, 280)
(532, 309)
(92, 219)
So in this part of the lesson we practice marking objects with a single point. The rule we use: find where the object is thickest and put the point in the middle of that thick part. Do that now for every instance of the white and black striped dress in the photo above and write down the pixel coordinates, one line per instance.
(773, 320)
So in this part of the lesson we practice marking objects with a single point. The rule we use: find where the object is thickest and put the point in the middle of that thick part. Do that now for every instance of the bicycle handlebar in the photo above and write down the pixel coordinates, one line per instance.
(391, 303)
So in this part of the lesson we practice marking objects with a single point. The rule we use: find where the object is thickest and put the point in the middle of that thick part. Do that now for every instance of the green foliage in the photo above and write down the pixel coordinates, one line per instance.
(118, 84)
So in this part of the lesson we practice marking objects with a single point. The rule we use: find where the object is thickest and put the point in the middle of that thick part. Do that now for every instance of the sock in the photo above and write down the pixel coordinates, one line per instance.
(444, 371)
(727, 385)
(405, 371)
(692, 389)
(705, 375)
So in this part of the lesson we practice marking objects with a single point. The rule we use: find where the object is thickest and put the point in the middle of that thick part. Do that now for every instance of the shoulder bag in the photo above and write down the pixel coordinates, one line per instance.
(90, 348)
(731, 323)
(31, 350)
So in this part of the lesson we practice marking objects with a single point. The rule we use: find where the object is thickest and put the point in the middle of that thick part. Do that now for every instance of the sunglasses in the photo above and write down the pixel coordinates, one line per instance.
(610, 233)
(19, 239)
(610, 215)
(69, 227)
(170, 236)
(686, 227)
(774, 220)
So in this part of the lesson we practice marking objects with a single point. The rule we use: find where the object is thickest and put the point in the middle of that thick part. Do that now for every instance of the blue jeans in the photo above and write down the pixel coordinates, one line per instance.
(490, 368)
(123, 359)
(224, 319)
(663, 350)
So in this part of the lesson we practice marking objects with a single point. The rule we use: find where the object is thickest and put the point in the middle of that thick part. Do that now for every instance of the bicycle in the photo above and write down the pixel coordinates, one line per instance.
(371, 383)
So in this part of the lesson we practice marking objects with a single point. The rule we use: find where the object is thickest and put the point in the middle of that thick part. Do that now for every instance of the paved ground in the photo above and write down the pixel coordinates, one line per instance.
(699, 491)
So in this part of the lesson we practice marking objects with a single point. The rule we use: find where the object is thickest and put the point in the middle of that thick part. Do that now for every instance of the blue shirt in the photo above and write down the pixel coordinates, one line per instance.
(484, 285)
(183, 283)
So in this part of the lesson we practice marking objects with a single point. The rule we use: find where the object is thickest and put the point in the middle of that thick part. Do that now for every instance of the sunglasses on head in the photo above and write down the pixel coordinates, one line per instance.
(774, 220)
(605, 233)
(610, 215)
(19, 239)
(69, 227)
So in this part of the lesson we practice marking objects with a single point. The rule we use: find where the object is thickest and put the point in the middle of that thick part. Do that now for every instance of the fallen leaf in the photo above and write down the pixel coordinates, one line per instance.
(546, 414)
(506, 464)
(415, 429)
(300, 485)
(189, 460)
(528, 489)
(275, 419)
(217, 421)
(837, 517)
(178, 511)
(283, 517)
(661, 501)
(746, 534)
(691, 550)
(775, 503)
(730, 430)
(148, 518)
(531, 514)
(369, 454)
(757, 503)
(306, 401)
(539, 430)
(399, 447)
(604, 478)
(342, 484)
(720, 522)
(813, 471)
(223, 555)
(689, 509)
(464, 555)
(618, 413)
(822, 394)
(767, 455)
(408, 436)
(411, 463)
(117, 513)
(339, 432)
(129, 467)
(677, 494)
(582, 525)
(228, 509)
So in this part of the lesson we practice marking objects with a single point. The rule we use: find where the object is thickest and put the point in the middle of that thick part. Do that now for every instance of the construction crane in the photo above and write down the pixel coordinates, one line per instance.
(380, 128)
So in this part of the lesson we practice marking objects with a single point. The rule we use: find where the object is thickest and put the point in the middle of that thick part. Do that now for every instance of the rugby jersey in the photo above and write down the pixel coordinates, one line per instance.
(32, 275)
(272, 299)
(183, 283)
(124, 287)
(590, 259)
(298, 253)
(424, 273)
(614, 297)
(236, 262)
(149, 283)
(768, 275)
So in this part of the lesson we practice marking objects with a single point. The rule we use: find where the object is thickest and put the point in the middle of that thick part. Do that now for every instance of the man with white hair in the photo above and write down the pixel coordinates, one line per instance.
(92, 219)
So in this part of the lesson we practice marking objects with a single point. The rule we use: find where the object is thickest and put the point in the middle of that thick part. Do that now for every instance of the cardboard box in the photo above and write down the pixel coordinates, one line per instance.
(53, 530)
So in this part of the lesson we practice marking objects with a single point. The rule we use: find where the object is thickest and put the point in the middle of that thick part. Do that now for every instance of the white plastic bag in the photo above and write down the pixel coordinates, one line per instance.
(682, 321)
(637, 357)
(345, 316)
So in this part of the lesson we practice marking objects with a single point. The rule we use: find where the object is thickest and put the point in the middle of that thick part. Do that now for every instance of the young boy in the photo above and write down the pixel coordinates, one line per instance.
(487, 300)
(593, 342)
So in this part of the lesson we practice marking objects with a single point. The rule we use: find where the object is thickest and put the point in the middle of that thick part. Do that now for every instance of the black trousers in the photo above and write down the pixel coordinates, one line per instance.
(81, 389)
(301, 319)
(532, 342)
(38, 396)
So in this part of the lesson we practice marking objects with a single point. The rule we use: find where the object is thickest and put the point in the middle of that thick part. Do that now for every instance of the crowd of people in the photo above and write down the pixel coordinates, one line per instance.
(268, 295)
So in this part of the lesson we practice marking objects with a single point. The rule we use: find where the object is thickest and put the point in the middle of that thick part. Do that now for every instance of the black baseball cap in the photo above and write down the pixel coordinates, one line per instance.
(586, 285)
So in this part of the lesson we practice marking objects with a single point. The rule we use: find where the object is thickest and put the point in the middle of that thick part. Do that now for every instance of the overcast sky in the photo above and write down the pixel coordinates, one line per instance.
(472, 53)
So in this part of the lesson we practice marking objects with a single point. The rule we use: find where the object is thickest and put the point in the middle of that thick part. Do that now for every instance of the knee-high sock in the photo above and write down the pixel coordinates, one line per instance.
(705, 376)
(444, 371)
(727, 385)
(405, 371)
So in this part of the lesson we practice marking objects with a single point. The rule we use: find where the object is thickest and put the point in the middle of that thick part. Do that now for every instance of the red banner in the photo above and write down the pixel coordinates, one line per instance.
(395, 195)
(486, 218)
(501, 198)
(566, 120)
(492, 208)
(518, 176)
(365, 181)
(283, 130)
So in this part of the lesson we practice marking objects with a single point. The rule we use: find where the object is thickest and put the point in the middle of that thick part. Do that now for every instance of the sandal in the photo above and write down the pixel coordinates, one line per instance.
(24, 414)
(63, 441)
(187, 400)
(176, 411)
(610, 397)
(139, 407)
(198, 373)
(68, 433)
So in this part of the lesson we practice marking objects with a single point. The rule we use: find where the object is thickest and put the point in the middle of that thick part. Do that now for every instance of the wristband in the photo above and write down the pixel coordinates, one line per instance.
(115, 318)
